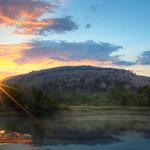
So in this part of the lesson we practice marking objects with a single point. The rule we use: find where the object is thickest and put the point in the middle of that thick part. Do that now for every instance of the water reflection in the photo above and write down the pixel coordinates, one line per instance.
(86, 128)
(14, 137)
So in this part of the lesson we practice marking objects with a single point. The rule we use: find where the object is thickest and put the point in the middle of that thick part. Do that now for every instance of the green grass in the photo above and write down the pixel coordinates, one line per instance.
(108, 108)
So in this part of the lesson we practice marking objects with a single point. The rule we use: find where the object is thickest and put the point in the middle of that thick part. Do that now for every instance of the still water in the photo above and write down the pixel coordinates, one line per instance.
(82, 130)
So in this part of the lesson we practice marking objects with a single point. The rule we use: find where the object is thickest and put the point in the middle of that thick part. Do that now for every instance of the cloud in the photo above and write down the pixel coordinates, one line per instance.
(28, 17)
(94, 8)
(12, 51)
(116, 59)
(60, 25)
(87, 26)
(36, 55)
(123, 63)
(144, 58)
(63, 51)
(66, 51)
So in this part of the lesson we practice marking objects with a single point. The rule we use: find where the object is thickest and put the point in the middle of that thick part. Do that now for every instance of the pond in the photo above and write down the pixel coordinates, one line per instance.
(81, 130)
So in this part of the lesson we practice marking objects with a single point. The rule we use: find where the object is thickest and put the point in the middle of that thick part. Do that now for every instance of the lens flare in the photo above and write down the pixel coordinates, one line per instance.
(2, 90)
(7, 86)
(3, 104)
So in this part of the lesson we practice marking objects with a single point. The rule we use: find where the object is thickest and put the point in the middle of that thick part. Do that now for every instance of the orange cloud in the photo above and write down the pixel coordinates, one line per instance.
(9, 53)
(31, 27)
(12, 51)
(9, 67)
(24, 15)
(28, 17)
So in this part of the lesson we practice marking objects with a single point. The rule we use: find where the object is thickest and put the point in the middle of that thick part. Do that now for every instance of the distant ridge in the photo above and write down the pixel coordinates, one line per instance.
(79, 77)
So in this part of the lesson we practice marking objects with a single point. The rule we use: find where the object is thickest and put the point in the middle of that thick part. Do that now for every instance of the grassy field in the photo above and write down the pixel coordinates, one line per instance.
(108, 108)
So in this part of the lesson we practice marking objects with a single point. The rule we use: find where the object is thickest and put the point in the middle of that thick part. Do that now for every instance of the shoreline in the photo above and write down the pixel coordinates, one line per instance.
(85, 109)
(109, 108)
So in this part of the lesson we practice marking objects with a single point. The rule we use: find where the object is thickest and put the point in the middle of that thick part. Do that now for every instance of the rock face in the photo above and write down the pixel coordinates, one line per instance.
(80, 77)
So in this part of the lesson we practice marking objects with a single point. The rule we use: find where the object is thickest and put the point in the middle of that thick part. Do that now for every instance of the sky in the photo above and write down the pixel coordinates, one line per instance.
(40, 34)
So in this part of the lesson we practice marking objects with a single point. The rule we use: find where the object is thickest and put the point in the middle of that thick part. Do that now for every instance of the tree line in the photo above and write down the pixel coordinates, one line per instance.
(41, 102)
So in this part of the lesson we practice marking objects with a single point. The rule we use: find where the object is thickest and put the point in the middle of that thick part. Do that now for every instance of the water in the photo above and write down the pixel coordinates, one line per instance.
(82, 130)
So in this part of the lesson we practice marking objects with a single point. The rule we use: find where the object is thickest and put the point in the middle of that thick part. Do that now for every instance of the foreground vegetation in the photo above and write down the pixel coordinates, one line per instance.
(41, 102)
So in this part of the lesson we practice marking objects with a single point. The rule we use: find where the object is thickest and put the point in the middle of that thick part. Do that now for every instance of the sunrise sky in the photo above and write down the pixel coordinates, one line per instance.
(39, 34)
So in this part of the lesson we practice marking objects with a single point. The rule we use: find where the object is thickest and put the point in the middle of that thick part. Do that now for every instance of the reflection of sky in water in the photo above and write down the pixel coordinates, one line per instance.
(130, 142)
(84, 130)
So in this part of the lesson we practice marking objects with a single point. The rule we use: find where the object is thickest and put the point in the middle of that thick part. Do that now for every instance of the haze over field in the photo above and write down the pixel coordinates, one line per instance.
(40, 34)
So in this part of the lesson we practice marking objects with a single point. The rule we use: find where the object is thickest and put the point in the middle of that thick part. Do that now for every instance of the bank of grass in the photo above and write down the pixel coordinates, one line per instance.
(108, 108)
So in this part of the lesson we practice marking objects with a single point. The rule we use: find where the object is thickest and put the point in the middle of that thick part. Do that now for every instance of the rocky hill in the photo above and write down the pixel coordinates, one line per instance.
(80, 78)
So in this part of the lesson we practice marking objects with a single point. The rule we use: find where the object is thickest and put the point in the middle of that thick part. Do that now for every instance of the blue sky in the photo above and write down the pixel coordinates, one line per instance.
(115, 30)
(123, 22)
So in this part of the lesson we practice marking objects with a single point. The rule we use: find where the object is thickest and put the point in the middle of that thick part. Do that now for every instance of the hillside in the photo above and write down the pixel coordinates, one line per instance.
(80, 78)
